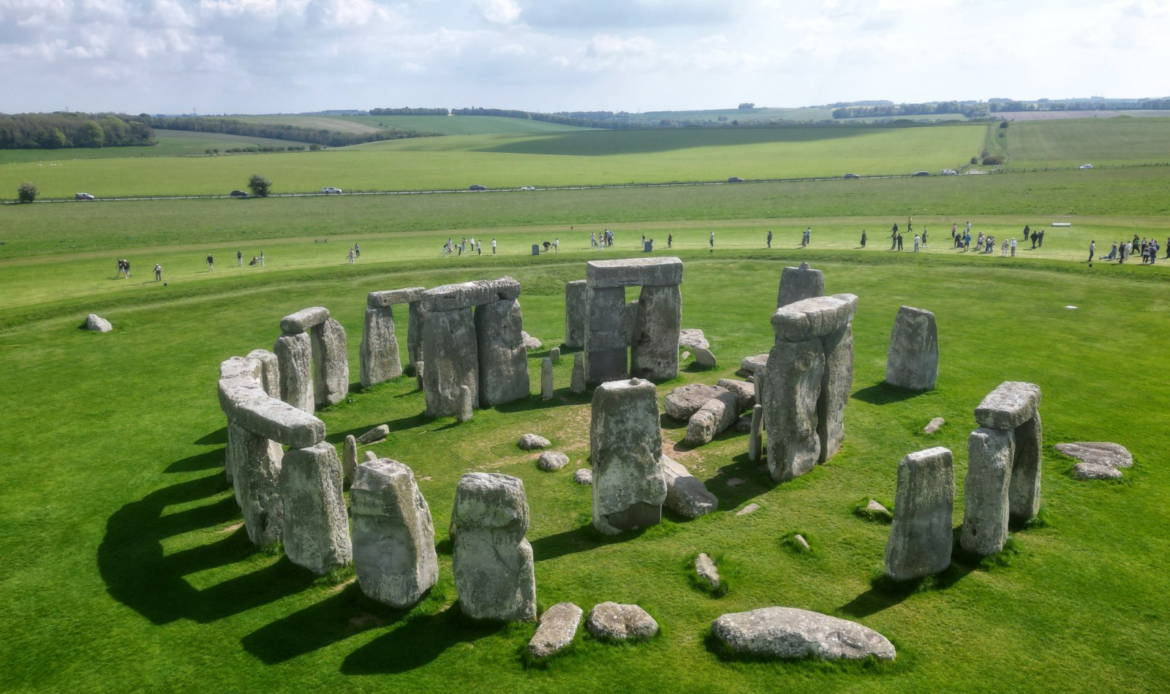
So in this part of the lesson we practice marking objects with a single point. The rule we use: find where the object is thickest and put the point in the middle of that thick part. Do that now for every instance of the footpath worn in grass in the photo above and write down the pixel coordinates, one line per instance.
(126, 568)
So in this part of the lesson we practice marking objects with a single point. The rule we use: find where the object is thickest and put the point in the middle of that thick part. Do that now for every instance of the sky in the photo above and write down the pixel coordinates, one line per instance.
(290, 56)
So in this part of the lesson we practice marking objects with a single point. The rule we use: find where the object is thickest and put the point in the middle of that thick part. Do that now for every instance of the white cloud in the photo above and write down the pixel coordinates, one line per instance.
(499, 11)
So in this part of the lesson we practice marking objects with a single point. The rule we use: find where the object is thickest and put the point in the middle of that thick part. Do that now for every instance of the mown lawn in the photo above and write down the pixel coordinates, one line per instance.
(125, 567)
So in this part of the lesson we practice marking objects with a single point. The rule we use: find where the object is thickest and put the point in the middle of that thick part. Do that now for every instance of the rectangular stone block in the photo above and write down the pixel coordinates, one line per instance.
(625, 443)
(450, 359)
(450, 297)
(304, 319)
(294, 353)
(575, 297)
(920, 537)
(269, 370)
(414, 333)
(316, 527)
(798, 284)
(912, 358)
(793, 382)
(1024, 493)
(836, 384)
(811, 318)
(385, 299)
(379, 358)
(989, 471)
(654, 347)
(606, 346)
(503, 359)
(256, 463)
(1008, 406)
(330, 363)
(627, 272)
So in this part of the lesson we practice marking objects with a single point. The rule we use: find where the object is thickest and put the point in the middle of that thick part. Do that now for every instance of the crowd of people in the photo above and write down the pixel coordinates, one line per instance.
(1124, 250)
(466, 245)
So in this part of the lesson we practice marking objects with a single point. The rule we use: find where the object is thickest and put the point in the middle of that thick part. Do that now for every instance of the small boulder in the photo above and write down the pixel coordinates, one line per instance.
(609, 620)
(98, 324)
(551, 461)
(685, 356)
(376, 434)
(745, 392)
(705, 358)
(686, 495)
(532, 442)
(934, 425)
(583, 476)
(684, 401)
(530, 342)
(790, 634)
(693, 337)
(705, 567)
(1096, 471)
(558, 626)
(750, 508)
(801, 543)
(750, 366)
(371, 457)
(1098, 453)
(877, 511)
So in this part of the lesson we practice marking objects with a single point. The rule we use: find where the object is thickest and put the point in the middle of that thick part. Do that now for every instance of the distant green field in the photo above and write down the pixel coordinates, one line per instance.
(171, 143)
(338, 123)
(740, 114)
(1097, 141)
(462, 125)
(571, 158)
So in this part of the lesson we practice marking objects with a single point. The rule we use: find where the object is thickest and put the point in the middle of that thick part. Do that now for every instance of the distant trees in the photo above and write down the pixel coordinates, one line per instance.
(26, 192)
(746, 105)
(259, 185)
(407, 111)
(966, 108)
(275, 131)
(63, 130)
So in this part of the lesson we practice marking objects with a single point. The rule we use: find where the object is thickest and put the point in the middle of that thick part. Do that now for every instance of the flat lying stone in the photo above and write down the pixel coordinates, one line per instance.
(788, 633)
(744, 392)
(558, 626)
(451, 297)
(686, 495)
(583, 477)
(684, 401)
(98, 324)
(1098, 453)
(609, 620)
(376, 434)
(550, 461)
(813, 318)
(713, 418)
(934, 425)
(1008, 406)
(632, 272)
(1096, 471)
(532, 442)
(304, 319)
(801, 543)
(876, 509)
(705, 567)
(750, 508)
(744, 424)
(394, 296)
(692, 337)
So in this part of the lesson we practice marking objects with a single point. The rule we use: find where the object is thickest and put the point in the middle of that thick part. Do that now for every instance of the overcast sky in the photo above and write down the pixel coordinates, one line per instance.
(263, 56)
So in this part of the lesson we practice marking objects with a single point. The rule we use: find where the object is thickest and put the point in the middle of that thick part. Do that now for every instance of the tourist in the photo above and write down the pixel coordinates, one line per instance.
(239, 259)
(711, 241)
(900, 238)
(126, 265)
(1041, 238)
(261, 258)
(493, 246)
(118, 274)
(357, 251)
(670, 240)
(1092, 249)
(351, 256)
(863, 238)
(954, 229)
(894, 237)
(1013, 248)
(979, 242)
(157, 272)
(909, 225)
(557, 244)
(769, 238)
(478, 248)
(210, 263)
(917, 240)
(1153, 251)
(592, 239)
(1006, 246)
(967, 242)
(924, 237)
(968, 227)
(1168, 246)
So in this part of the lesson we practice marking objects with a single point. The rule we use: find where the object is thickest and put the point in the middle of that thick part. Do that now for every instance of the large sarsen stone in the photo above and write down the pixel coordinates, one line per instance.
(316, 528)
(790, 634)
(626, 447)
(920, 536)
(912, 359)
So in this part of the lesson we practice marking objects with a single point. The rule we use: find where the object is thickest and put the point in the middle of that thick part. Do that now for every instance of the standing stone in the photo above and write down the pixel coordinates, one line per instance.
(414, 332)
(503, 359)
(256, 464)
(626, 446)
(836, 383)
(316, 529)
(546, 379)
(349, 455)
(912, 360)
(451, 356)
(379, 350)
(798, 284)
(989, 470)
(755, 441)
(393, 534)
(558, 626)
(418, 375)
(920, 536)
(465, 409)
(269, 371)
(654, 347)
(1024, 492)
(330, 363)
(295, 355)
(714, 417)
(577, 384)
(791, 391)
(492, 561)
(555, 355)
(606, 346)
(575, 314)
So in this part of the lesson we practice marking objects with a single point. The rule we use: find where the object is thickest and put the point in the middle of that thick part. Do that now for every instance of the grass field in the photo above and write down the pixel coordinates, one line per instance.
(577, 158)
(171, 143)
(462, 125)
(338, 123)
(1097, 141)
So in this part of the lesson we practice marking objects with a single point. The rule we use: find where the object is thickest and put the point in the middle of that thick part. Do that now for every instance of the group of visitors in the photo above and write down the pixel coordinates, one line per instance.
(600, 242)
(467, 246)
(123, 269)
(256, 260)
(805, 238)
(1123, 250)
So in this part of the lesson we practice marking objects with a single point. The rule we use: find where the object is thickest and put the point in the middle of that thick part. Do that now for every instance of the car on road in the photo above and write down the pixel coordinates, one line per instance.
(83, 196)
(735, 179)
(528, 188)
(331, 191)
(1086, 166)
(239, 194)
(852, 176)
(921, 173)
(477, 187)
(949, 172)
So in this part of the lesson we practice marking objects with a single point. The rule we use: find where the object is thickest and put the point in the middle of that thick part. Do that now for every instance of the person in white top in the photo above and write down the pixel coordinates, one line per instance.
(493, 246)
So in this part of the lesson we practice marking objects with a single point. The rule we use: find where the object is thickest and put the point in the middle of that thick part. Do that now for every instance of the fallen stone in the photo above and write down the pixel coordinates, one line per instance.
(704, 358)
(744, 424)
(1096, 471)
(304, 319)
(349, 460)
(801, 542)
(798, 284)
(749, 367)
(1098, 453)
(316, 528)
(750, 508)
(371, 456)
(392, 297)
(98, 324)
(685, 356)
(813, 318)
(465, 411)
(1008, 406)
(876, 510)
(934, 425)
(609, 620)
(626, 446)
(791, 634)
(532, 442)
(714, 417)
(583, 476)
(645, 272)
(531, 343)
(577, 384)
(376, 434)
(706, 569)
(330, 363)
(546, 379)
(745, 392)
(920, 537)
(684, 401)
(558, 626)
(575, 293)
(550, 461)
(912, 358)
(686, 495)
(692, 337)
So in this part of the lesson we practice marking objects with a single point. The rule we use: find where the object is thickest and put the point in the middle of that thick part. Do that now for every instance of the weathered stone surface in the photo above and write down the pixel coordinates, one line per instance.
(626, 446)
(245, 402)
(98, 324)
(1008, 406)
(920, 536)
(705, 358)
(453, 297)
(1098, 453)
(745, 392)
(349, 458)
(492, 561)
(627, 272)
(744, 424)
(414, 333)
(379, 357)
(420, 374)
(393, 534)
(989, 470)
(836, 383)
(877, 510)
(812, 318)
(1096, 471)
(451, 359)
(546, 379)
(606, 344)
(532, 442)
(558, 626)
(934, 425)
(385, 299)
(798, 284)
(503, 359)
(685, 494)
(1024, 490)
(370, 457)
(577, 384)
(654, 346)
(790, 395)
(295, 355)
(376, 434)
(465, 410)
(610, 620)
(304, 319)
(330, 363)
(692, 337)
(912, 359)
(715, 416)
(555, 355)
(684, 401)
(530, 343)
(269, 371)
(583, 476)
(749, 509)
(791, 634)
(255, 463)
(753, 366)
(550, 461)
(756, 438)
(316, 529)
(801, 543)
(685, 356)
(706, 569)
(575, 314)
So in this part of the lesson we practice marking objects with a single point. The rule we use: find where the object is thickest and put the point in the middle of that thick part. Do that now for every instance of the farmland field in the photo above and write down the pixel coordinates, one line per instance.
(1097, 141)
(171, 143)
(462, 125)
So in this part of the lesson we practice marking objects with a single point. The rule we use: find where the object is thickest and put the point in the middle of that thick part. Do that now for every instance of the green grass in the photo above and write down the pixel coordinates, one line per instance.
(575, 158)
(171, 143)
(461, 125)
(338, 123)
(1097, 141)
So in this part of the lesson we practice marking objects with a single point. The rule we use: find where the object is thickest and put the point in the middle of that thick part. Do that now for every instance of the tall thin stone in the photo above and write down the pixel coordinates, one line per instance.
(793, 383)
(349, 455)
(577, 384)
(1024, 492)
(465, 405)
(606, 346)
(380, 360)
(503, 358)
(625, 440)
(575, 314)
(295, 356)
(414, 332)
(989, 470)
(451, 356)
(755, 442)
(836, 384)
(330, 363)
(654, 347)
(316, 528)
(920, 536)
(546, 379)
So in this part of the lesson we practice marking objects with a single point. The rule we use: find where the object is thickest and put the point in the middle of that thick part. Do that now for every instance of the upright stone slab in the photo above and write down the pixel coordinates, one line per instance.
(606, 345)
(654, 348)
(256, 464)
(492, 561)
(798, 284)
(756, 442)
(393, 534)
(920, 536)
(269, 371)
(989, 470)
(575, 314)
(836, 384)
(503, 359)
(912, 359)
(295, 356)
(466, 410)
(1024, 492)
(450, 358)
(577, 384)
(626, 446)
(316, 529)
(546, 379)
(349, 458)
(380, 360)
(792, 389)
(330, 363)
(414, 332)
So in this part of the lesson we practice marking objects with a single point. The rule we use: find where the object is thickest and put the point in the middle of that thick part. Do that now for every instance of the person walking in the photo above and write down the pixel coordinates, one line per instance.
(954, 229)
(917, 240)
(900, 239)
(769, 238)
(351, 256)
(670, 240)
(894, 237)
(157, 272)
(1041, 244)
(557, 245)
(1013, 248)
(479, 248)
(863, 238)
(1092, 249)
(493, 246)
(592, 239)
(118, 274)
(711, 241)
(924, 237)
(210, 263)
(357, 251)
(261, 258)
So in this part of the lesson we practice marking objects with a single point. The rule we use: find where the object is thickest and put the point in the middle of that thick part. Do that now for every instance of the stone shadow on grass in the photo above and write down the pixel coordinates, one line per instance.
(581, 539)
(885, 592)
(882, 393)
(417, 642)
(219, 436)
(756, 482)
(196, 463)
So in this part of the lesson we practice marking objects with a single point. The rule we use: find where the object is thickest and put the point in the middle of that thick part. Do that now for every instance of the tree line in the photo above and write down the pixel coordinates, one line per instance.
(407, 111)
(275, 131)
(65, 130)
(981, 109)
